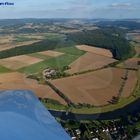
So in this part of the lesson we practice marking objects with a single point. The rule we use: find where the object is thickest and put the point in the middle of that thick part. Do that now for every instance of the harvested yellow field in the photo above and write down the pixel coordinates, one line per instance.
(6, 39)
(99, 51)
(96, 88)
(130, 83)
(17, 62)
(89, 61)
(17, 81)
(51, 53)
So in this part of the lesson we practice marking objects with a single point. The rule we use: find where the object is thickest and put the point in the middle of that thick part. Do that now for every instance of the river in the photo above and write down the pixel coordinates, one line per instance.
(129, 109)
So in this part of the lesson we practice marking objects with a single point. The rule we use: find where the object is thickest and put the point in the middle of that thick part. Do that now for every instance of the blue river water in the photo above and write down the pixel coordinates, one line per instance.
(23, 117)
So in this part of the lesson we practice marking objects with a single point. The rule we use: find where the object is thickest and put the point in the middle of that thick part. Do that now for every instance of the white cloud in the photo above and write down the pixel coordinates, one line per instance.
(120, 5)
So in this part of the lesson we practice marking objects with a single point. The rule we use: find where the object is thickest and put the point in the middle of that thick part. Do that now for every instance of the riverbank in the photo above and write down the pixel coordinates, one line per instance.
(130, 108)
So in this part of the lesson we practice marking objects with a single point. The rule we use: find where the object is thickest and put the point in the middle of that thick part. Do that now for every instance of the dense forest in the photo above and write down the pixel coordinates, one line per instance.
(108, 38)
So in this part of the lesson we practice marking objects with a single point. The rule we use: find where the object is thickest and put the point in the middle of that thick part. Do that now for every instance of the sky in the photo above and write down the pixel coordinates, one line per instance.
(110, 9)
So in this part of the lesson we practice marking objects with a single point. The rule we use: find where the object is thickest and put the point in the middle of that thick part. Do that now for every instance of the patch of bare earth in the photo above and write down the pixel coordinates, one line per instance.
(51, 53)
(132, 63)
(95, 50)
(17, 81)
(89, 61)
(6, 46)
(96, 88)
(130, 83)
(17, 62)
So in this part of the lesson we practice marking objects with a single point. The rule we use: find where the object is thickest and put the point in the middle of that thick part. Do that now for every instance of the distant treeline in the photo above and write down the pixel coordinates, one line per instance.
(108, 38)
(128, 25)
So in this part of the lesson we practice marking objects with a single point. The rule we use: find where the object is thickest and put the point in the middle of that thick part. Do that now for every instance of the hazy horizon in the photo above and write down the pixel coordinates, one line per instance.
(90, 9)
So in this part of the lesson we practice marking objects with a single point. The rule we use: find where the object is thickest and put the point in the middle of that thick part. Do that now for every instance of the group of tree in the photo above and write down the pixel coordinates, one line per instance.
(108, 38)
(35, 47)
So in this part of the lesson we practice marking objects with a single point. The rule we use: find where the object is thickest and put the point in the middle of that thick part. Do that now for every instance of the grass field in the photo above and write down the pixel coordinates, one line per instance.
(70, 55)
(4, 69)
(56, 63)
(23, 39)
(71, 50)
(31, 37)
(38, 55)
(51, 53)
(53, 36)
(55, 106)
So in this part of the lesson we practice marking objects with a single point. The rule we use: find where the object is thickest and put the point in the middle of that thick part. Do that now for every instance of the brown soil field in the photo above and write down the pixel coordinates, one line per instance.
(96, 88)
(130, 83)
(5, 46)
(99, 51)
(51, 53)
(131, 63)
(17, 81)
(17, 62)
(89, 61)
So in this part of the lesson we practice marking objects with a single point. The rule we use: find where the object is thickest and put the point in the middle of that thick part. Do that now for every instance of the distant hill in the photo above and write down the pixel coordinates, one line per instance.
(128, 24)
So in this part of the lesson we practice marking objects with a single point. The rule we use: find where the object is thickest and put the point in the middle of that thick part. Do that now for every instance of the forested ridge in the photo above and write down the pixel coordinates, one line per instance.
(108, 38)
